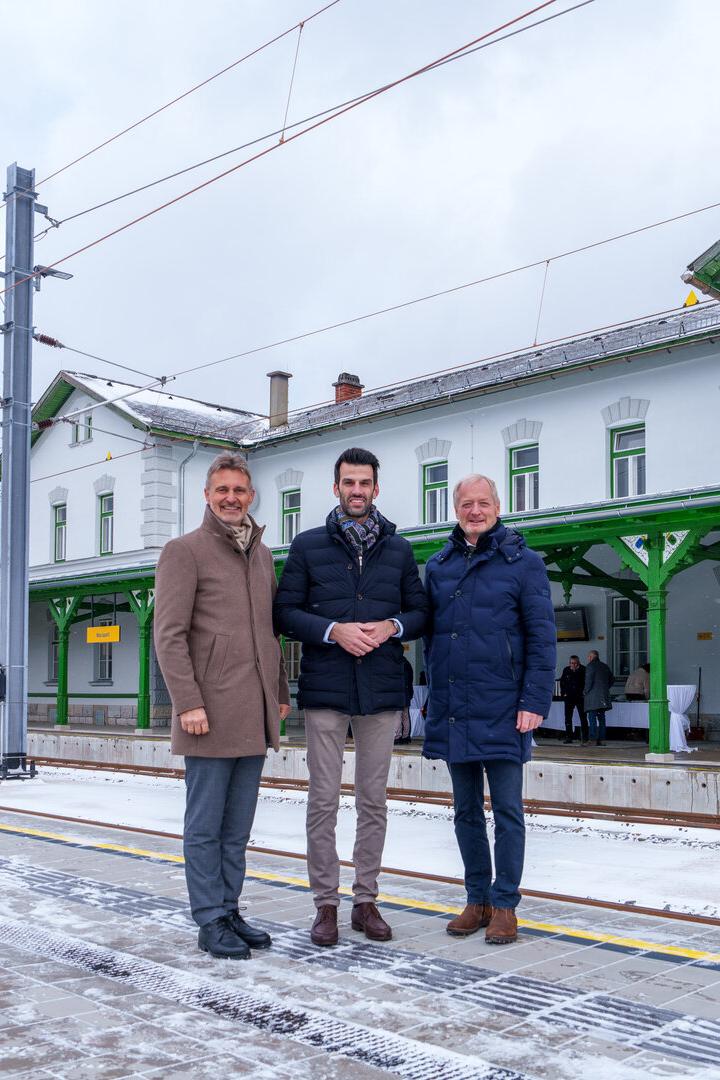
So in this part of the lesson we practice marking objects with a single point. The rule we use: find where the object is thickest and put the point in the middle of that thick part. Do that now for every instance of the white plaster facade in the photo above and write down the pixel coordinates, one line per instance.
(675, 392)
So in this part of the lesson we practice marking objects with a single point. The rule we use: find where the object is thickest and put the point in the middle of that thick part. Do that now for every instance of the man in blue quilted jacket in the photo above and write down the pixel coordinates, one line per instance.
(351, 592)
(490, 659)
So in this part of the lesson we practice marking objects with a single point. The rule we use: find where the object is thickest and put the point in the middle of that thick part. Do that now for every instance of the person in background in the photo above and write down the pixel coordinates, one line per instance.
(223, 667)
(572, 690)
(402, 732)
(637, 687)
(598, 680)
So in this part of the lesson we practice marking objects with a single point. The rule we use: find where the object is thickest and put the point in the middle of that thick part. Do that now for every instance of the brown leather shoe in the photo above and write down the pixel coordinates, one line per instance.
(502, 928)
(367, 918)
(324, 930)
(470, 920)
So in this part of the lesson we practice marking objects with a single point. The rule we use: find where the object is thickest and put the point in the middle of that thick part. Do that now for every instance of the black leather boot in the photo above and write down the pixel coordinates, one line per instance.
(256, 939)
(219, 939)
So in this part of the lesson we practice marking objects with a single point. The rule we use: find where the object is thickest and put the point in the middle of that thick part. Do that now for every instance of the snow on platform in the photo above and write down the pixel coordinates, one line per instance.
(100, 975)
(664, 867)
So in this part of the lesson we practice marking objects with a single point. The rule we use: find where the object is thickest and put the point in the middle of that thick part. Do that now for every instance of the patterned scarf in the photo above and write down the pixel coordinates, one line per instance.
(361, 535)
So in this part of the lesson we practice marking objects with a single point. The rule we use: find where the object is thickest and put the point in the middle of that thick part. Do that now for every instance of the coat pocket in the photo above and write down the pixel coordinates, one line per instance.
(216, 658)
(509, 653)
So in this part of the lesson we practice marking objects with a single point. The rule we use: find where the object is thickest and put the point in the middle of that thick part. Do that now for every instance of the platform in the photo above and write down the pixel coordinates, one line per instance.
(101, 977)
(615, 775)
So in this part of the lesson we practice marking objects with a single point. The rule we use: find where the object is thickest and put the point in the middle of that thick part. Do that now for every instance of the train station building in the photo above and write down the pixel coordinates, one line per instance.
(604, 448)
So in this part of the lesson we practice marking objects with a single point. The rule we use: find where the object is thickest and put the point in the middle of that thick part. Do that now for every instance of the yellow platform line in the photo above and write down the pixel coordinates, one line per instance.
(387, 898)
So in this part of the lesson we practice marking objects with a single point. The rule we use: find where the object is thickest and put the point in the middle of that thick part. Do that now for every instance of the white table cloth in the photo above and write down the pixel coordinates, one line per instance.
(630, 714)
(417, 720)
(680, 698)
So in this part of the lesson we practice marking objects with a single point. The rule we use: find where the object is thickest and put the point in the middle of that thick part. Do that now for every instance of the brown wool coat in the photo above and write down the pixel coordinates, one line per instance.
(215, 643)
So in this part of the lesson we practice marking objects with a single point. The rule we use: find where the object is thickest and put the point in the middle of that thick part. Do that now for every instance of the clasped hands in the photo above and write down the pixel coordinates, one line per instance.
(195, 721)
(361, 638)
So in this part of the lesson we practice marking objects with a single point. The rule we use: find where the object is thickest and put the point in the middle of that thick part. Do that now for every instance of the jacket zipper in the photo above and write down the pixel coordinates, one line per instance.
(510, 655)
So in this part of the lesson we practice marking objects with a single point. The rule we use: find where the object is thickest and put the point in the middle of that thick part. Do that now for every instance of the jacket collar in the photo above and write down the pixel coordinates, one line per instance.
(506, 542)
(387, 528)
(211, 523)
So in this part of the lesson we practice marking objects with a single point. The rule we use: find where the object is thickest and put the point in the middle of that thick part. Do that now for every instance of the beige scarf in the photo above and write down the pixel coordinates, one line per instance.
(242, 534)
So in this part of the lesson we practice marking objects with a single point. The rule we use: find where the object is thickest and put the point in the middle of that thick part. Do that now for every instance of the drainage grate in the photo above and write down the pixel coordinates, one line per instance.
(397, 1055)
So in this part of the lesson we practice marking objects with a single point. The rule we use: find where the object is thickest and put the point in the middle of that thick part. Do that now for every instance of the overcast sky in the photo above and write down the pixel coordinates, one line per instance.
(595, 123)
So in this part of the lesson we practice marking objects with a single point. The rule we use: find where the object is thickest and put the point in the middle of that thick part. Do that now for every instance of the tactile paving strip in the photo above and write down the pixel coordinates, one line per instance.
(645, 1027)
(394, 1054)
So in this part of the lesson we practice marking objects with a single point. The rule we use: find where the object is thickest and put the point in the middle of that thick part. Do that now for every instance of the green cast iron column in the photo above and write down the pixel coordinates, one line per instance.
(61, 701)
(63, 612)
(142, 603)
(143, 705)
(658, 712)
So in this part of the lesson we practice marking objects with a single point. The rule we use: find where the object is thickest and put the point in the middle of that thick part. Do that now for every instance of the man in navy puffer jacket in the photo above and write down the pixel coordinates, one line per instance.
(490, 659)
(351, 592)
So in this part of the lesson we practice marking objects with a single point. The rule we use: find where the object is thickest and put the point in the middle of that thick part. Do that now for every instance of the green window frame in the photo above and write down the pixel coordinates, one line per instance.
(53, 652)
(524, 477)
(290, 508)
(292, 653)
(629, 637)
(103, 657)
(435, 492)
(106, 510)
(628, 475)
(59, 532)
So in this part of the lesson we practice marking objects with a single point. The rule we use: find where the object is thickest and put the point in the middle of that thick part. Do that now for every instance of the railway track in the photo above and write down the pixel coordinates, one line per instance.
(624, 814)
(660, 913)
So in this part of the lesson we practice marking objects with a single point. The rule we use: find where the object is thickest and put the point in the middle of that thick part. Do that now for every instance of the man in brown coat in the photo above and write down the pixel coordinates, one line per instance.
(223, 667)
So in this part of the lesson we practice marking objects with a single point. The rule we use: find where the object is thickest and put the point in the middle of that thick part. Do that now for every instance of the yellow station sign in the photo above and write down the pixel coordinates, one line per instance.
(102, 635)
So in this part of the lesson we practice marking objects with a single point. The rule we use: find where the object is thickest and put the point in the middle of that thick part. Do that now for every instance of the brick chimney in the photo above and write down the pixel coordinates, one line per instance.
(278, 397)
(347, 387)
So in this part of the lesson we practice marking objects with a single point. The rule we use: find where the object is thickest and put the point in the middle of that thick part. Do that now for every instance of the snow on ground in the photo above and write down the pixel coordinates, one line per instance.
(649, 865)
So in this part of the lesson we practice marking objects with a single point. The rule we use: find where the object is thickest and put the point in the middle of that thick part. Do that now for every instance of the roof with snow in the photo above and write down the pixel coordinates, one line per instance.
(152, 410)
(161, 411)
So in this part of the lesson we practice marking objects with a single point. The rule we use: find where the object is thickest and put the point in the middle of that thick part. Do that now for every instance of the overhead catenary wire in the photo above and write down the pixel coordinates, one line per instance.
(476, 362)
(187, 93)
(91, 464)
(46, 339)
(268, 150)
(422, 299)
(445, 292)
(292, 82)
(56, 223)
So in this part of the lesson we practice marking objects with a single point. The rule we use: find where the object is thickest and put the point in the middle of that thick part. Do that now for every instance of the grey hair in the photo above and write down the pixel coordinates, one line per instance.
(595, 653)
(475, 478)
(228, 460)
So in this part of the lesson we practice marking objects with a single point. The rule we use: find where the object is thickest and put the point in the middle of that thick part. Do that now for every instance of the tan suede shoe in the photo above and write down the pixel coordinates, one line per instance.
(324, 929)
(502, 928)
(470, 920)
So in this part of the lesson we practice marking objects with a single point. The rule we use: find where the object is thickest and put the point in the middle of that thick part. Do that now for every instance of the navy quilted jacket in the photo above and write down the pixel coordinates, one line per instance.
(491, 651)
(322, 583)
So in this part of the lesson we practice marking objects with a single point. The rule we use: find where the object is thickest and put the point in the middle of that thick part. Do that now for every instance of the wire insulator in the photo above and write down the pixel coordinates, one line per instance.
(45, 339)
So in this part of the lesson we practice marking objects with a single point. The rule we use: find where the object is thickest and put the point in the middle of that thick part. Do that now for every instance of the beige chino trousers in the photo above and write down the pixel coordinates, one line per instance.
(325, 730)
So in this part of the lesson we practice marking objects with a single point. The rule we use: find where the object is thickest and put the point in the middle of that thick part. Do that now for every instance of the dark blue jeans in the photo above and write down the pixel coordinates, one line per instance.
(505, 781)
(221, 796)
(596, 720)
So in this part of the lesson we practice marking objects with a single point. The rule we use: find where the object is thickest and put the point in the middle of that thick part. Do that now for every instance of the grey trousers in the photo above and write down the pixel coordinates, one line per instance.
(221, 796)
(374, 734)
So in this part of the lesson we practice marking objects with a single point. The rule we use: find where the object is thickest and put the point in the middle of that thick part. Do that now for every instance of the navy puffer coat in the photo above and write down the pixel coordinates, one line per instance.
(322, 583)
(491, 652)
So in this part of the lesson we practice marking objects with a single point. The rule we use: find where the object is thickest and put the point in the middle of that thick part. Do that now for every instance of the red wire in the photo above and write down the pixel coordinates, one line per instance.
(180, 97)
(276, 146)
